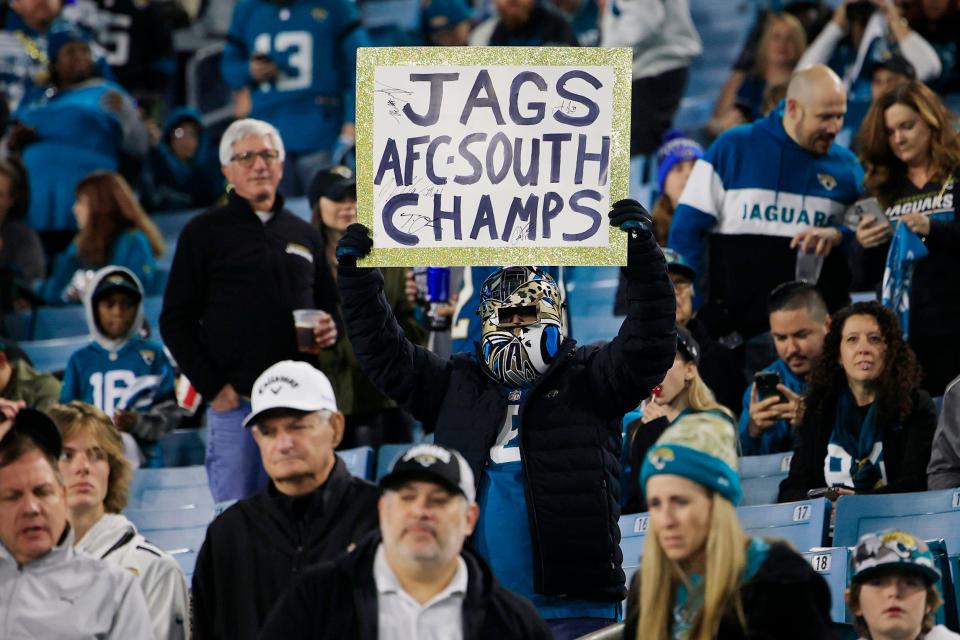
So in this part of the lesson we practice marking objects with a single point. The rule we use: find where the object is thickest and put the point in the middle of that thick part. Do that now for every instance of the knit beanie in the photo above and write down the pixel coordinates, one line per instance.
(700, 447)
(676, 147)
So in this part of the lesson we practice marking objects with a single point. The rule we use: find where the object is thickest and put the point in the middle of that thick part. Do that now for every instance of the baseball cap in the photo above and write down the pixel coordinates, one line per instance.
(893, 62)
(335, 183)
(676, 263)
(290, 384)
(118, 280)
(892, 549)
(37, 426)
(443, 14)
(432, 463)
(688, 346)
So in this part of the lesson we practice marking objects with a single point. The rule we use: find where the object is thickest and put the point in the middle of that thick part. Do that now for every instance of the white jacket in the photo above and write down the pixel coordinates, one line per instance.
(116, 540)
(68, 595)
(660, 32)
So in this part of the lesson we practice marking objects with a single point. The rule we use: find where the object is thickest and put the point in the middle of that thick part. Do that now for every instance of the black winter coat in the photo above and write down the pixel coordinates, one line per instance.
(906, 452)
(256, 548)
(785, 600)
(338, 599)
(570, 421)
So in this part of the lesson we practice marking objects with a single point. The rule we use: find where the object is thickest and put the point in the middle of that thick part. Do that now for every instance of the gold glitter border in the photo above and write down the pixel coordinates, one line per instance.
(620, 59)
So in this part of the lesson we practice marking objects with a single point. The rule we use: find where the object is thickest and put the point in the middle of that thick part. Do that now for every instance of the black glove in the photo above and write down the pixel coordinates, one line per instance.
(632, 217)
(355, 243)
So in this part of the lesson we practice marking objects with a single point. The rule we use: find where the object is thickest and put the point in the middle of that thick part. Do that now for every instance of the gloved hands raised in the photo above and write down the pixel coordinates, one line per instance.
(355, 244)
(630, 215)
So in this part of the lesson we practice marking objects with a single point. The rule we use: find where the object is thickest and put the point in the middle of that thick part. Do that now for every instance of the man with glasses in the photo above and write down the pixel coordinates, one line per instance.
(312, 511)
(239, 272)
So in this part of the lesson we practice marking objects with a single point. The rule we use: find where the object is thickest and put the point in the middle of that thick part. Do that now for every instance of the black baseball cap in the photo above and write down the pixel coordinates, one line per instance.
(117, 280)
(895, 63)
(432, 463)
(335, 183)
(37, 426)
(688, 346)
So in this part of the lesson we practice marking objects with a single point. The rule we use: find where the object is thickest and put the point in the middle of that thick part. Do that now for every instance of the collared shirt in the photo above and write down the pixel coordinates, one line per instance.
(401, 617)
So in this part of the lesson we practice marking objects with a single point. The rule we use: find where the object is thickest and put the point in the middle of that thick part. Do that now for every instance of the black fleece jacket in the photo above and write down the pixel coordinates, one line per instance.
(256, 548)
(338, 599)
(234, 283)
(570, 433)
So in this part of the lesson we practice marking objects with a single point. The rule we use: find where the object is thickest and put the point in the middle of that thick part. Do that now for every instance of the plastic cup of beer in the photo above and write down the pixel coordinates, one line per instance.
(305, 321)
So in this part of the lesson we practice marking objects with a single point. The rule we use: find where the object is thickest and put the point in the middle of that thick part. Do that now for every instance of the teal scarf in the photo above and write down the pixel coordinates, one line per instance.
(686, 605)
(855, 452)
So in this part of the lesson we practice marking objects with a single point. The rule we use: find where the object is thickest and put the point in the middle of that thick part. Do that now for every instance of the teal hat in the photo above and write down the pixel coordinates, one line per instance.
(891, 549)
(701, 447)
(443, 14)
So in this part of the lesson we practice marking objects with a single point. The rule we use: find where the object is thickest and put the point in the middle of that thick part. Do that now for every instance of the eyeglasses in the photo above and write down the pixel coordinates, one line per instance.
(247, 158)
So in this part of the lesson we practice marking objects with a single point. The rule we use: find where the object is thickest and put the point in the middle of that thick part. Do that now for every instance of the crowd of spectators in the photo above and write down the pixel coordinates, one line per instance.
(825, 170)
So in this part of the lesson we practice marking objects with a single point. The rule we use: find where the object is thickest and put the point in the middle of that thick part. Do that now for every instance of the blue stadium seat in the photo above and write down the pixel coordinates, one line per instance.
(359, 461)
(947, 614)
(17, 325)
(928, 515)
(152, 305)
(833, 563)
(385, 457)
(633, 533)
(183, 448)
(804, 524)
(170, 487)
(179, 532)
(760, 477)
(171, 224)
(52, 355)
(59, 322)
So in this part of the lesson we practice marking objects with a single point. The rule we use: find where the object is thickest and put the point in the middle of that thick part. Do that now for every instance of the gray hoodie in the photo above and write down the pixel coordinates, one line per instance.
(943, 471)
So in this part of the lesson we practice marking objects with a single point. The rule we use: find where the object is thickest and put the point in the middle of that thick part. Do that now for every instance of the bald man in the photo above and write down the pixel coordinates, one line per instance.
(761, 194)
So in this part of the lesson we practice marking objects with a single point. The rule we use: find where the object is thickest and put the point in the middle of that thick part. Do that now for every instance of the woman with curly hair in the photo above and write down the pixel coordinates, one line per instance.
(113, 230)
(911, 153)
(866, 427)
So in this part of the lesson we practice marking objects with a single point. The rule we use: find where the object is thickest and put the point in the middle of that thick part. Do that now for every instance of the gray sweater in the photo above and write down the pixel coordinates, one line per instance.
(943, 472)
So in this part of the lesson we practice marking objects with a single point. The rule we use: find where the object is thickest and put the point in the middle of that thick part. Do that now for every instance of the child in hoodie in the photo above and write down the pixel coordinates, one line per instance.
(127, 377)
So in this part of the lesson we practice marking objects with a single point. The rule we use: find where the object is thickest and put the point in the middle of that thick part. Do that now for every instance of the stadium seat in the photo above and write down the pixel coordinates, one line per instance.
(179, 532)
(804, 524)
(170, 487)
(59, 322)
(52, 355)
(947, 614)
(386, 455)
(633, 533)
(833, 563)
(183, 448)
(760, 477)
(928, 515)
(152, 305)
(359, 461)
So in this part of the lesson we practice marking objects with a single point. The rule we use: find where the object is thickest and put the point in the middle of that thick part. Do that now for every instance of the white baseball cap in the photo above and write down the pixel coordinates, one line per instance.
(290, 384)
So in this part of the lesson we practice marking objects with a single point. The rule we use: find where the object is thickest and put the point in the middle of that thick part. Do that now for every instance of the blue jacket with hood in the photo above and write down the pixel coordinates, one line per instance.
(754, 189)
(171, 184)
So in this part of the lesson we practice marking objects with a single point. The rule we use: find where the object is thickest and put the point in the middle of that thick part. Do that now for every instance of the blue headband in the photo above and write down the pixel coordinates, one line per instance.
(693, 464)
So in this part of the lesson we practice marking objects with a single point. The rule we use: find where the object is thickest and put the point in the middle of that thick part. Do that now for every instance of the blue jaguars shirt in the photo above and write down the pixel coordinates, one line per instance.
(503, 508)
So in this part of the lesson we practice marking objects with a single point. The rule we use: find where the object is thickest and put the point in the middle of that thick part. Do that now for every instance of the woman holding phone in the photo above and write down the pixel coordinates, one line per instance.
(867, 427)
(912, 157)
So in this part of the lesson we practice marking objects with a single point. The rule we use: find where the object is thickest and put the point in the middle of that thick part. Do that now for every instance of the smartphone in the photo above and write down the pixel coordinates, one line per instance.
(866, 208)
(767, 382)
(823, 492)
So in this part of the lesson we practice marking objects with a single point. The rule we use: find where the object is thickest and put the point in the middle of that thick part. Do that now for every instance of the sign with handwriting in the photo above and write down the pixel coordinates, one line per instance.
(492, 155)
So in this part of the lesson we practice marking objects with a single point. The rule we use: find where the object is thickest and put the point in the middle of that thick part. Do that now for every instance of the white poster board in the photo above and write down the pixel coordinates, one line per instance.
(492, 156)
